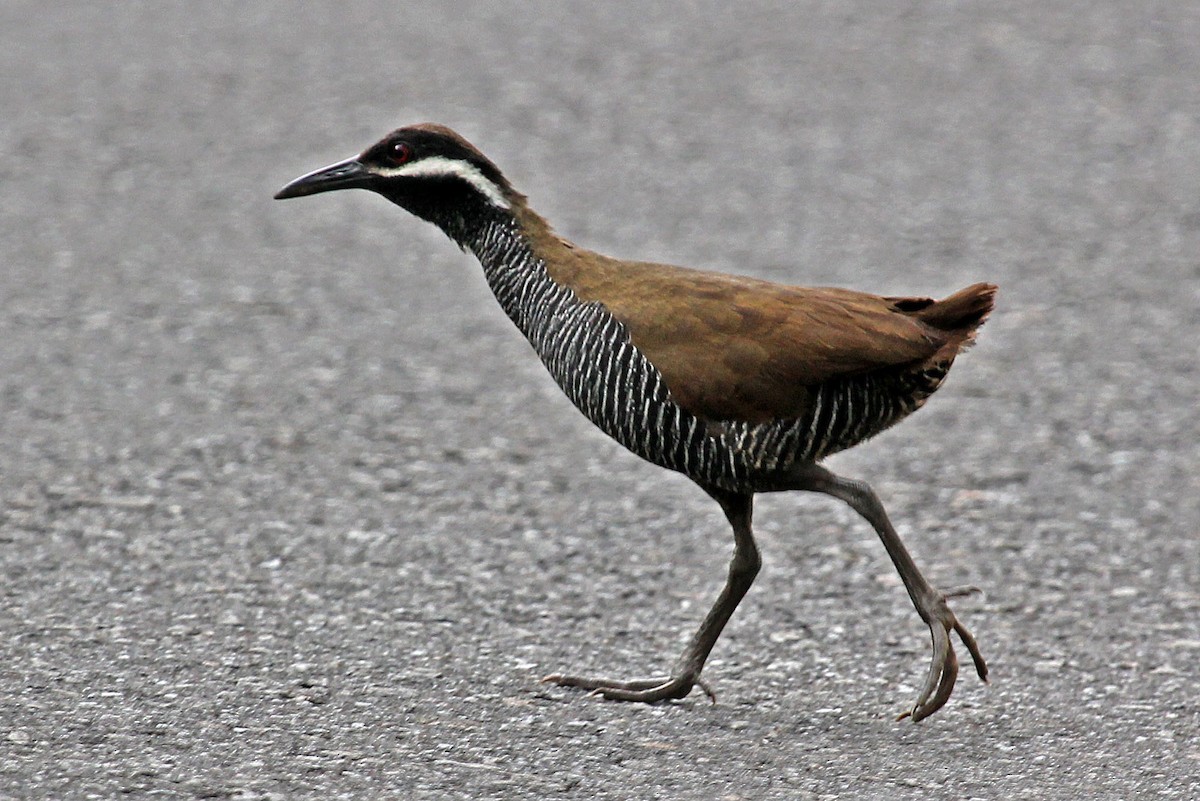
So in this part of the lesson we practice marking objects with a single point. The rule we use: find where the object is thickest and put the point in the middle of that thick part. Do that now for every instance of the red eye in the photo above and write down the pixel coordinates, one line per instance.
(399, 153)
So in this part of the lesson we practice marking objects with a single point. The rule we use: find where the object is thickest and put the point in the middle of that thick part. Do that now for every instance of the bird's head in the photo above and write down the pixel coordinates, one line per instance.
(428, 169)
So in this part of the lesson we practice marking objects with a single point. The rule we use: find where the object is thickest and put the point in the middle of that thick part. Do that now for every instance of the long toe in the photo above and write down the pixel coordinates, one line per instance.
(647, 691)
(943, 666)
(943, 675)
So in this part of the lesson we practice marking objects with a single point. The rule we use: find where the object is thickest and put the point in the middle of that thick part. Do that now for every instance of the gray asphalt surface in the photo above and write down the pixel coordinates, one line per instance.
(288, 509)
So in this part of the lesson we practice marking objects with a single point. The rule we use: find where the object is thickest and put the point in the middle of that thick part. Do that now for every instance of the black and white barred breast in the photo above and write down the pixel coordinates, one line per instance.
(589, 353)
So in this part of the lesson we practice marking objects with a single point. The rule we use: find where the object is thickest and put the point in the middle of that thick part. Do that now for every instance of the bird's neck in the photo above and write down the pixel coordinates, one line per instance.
(512, 245)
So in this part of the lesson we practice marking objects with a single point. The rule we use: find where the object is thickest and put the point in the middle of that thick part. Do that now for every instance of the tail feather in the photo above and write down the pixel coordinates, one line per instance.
(962, 312)
(957, 318)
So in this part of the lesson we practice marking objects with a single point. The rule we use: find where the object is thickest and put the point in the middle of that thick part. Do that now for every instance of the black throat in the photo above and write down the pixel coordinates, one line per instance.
(465, 215)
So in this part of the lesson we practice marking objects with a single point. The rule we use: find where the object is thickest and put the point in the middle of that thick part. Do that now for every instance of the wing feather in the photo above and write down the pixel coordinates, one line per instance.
(737, 348)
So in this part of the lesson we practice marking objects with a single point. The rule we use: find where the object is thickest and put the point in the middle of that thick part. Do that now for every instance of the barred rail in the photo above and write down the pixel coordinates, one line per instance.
(590, 355)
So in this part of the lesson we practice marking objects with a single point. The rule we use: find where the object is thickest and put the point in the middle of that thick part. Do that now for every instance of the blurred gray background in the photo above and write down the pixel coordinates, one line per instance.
(288, 509)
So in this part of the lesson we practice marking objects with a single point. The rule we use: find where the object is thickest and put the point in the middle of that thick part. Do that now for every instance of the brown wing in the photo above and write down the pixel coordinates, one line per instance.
(734, 348)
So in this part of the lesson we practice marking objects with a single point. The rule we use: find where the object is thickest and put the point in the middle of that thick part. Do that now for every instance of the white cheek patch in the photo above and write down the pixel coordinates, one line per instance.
(442, 167)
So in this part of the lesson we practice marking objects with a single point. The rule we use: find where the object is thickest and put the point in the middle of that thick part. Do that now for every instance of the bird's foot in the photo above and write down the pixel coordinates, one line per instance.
(943, 668)
(648, 691)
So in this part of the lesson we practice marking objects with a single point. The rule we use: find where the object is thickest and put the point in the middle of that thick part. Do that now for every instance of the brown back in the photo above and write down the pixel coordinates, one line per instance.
(737, 348)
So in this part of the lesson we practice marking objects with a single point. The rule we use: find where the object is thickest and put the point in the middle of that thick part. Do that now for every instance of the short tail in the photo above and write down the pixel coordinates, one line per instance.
(956, 318)
(962, 312)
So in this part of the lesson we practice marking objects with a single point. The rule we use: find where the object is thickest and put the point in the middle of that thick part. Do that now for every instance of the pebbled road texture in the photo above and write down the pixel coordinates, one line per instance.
(288, 510)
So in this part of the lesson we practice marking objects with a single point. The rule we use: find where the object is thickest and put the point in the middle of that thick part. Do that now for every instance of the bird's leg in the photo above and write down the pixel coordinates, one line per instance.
(742, 570)
(930, 603)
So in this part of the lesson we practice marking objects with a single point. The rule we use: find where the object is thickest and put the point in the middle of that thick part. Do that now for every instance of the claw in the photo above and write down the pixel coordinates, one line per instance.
(948, 676)
(648, 691)
(943, 665)
(973, 648)
(942, 653)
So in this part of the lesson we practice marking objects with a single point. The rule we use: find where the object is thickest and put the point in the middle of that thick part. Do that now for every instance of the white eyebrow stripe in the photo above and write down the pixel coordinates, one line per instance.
(440, 166)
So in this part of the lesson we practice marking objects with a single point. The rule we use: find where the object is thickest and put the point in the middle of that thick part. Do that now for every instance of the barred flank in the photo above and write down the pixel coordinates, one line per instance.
(590, 354)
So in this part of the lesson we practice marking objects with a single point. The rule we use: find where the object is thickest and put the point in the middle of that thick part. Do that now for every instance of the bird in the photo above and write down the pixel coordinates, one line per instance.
(742, 385)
